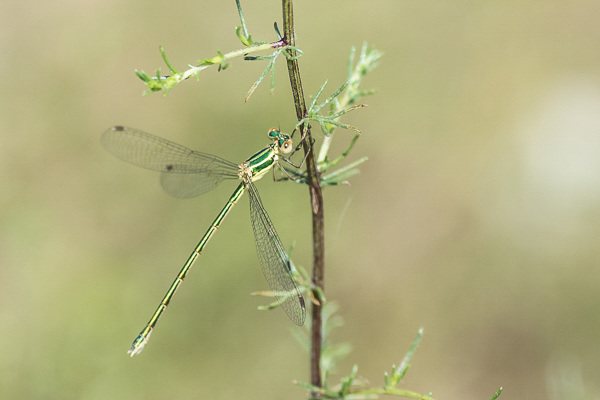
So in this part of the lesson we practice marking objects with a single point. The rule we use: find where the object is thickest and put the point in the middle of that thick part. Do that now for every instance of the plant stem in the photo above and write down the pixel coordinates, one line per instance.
(316, 196)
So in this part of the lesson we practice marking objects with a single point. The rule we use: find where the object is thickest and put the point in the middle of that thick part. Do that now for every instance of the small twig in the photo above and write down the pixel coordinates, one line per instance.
(316, 196)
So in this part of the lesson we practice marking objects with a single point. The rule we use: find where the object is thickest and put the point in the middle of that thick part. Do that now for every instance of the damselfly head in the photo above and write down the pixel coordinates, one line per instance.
(284, 142)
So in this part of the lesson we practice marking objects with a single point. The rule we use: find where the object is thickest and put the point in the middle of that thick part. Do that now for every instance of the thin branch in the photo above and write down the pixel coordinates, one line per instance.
(316, 196)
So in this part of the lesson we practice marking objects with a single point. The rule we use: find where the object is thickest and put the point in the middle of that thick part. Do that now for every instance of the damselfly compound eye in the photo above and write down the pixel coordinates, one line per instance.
(286, 146)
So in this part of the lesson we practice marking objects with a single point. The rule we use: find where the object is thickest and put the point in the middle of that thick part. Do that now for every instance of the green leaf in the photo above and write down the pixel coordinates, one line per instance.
(497, 394)
(246, 40)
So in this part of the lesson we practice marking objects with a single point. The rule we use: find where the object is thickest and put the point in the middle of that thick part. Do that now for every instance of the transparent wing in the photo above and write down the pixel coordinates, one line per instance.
(274, 260)
(185, 173)
(189, 185)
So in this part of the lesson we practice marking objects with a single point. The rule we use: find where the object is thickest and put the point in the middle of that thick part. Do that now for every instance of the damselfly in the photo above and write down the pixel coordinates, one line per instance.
(186, 173)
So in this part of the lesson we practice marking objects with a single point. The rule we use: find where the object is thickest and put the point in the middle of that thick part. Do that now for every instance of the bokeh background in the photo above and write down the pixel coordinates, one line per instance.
(477, 216)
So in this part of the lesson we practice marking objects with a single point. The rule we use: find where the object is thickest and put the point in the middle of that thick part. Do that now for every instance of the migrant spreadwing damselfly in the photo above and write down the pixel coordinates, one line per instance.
(186, 173)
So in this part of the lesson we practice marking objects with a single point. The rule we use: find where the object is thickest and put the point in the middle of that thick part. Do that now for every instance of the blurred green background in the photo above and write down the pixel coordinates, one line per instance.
(477, 216)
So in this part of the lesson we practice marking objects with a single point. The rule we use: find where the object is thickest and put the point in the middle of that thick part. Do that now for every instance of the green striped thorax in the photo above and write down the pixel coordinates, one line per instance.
(257, 165)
